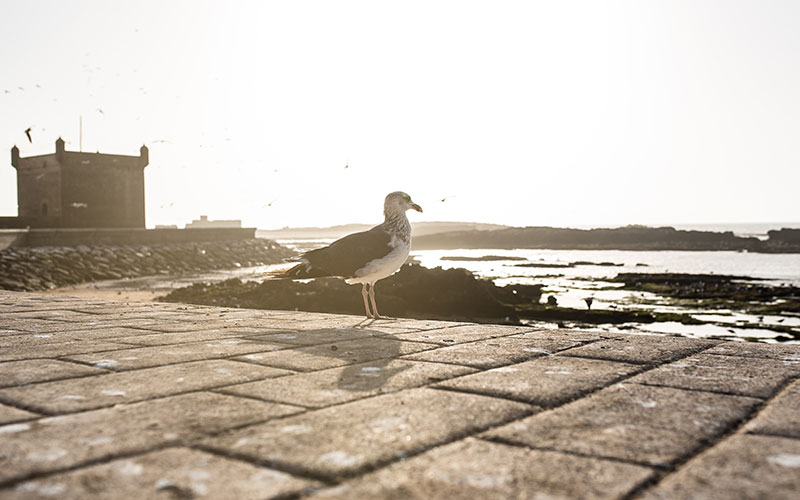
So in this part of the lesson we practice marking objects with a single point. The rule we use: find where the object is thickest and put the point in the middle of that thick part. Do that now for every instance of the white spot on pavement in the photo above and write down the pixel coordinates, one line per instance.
(72, 396)
(340, 458)
(113, 392)
(533, 349)
(106, 363)
(557, 372)
(128, 468)
(790, 460)
(296, 429)
(9, 429)
(648, 404)
(98, 441)
(47, 455)
(43, 489)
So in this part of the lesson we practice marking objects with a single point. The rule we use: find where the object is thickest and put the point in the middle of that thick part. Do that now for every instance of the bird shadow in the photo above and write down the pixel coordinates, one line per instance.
(364, 357)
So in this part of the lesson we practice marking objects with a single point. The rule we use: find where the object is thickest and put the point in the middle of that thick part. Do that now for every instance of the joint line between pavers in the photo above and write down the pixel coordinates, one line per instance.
(581, 395)
(697, 389)
(281, 466)
(338, 478)
(91, 462)
(705, 445)
(262, 400)
(37, 409)
(699, 349)
(509, 442)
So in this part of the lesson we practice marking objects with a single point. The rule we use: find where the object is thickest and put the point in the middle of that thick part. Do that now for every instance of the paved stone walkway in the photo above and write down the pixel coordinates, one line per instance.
(104, 399)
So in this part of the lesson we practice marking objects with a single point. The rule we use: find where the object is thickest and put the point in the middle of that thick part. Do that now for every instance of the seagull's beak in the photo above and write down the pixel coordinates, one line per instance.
(416, 207)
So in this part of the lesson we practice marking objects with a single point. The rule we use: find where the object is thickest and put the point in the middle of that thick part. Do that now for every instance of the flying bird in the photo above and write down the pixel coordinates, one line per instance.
(28, 133)
(364, 257)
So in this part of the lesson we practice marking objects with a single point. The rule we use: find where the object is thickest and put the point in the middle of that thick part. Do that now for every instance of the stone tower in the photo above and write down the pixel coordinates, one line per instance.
(73, 189)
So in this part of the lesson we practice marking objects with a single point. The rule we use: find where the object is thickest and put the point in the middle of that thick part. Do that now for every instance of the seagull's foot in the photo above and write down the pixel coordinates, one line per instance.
(385, 317)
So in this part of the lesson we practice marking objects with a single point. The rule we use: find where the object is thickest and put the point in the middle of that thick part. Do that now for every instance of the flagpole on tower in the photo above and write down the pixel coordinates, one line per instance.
(80, 134)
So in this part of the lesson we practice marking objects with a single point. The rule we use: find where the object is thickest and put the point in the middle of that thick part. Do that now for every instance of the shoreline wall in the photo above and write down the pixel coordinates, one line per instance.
(130, 236)
(41, 268)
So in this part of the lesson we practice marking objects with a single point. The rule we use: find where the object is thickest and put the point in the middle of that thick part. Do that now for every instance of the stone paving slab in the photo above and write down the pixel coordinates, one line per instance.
(388, 427)
(58, 349)
(742, 467)
(781, 417)
(87, 393)
(146, 357)
(501, 351)
(756, 377)
(460, 334)
(179, 473)
(37, 339)
(640, 424)
(226, 403)
(786, 352)
(473, 468)
(164, 339)
(56, 443)
(316, 336)
(348, 352)
(9, 414)
(645, 349)
(41, 370)
(340, 385)
(547, 381)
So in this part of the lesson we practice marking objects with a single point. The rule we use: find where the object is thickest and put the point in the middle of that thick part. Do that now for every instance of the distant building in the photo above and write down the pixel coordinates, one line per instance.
(205, 223)
(71, 189)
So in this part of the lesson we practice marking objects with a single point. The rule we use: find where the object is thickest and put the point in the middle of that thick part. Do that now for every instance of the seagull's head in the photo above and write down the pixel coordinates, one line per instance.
(399, 202)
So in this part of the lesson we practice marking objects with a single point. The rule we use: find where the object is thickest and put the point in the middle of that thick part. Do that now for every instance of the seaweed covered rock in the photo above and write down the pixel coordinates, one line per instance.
(413, 292)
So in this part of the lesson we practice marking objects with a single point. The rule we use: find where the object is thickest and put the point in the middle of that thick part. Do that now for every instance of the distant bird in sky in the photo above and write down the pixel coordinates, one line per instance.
(28, 133)
(100, 111)
(364, 257)
(268, 204)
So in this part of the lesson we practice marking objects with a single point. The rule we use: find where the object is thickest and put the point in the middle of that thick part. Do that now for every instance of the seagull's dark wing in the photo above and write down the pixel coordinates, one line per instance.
(344, 256)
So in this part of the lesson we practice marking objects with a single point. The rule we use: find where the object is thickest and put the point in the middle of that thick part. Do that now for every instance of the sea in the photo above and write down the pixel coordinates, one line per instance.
(572, 284)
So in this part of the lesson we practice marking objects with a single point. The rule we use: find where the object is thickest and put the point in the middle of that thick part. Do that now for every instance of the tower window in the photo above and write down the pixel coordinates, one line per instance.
(44, 209)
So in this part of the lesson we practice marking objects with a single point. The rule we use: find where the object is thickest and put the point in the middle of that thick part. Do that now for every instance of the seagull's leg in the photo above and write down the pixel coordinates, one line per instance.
(374, 305)
(366, 303)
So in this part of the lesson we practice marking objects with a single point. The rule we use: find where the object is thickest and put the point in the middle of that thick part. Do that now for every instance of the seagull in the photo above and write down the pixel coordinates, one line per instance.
(364, 257)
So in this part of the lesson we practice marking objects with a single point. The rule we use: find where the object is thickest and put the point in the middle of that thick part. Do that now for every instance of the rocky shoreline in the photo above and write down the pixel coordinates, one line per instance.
(458, 295)
(622, 238)
(42, 268)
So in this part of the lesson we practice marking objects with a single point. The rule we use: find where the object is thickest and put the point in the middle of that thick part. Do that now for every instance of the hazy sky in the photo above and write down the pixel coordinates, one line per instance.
(525, 113)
